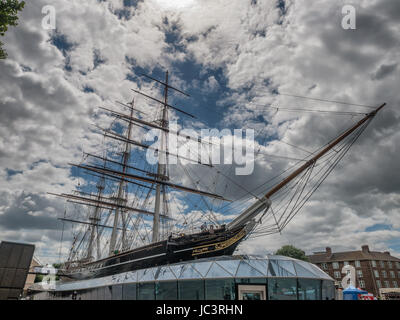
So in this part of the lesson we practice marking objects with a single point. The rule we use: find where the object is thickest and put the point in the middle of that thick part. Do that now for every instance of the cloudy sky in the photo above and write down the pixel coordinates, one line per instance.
(235, 58)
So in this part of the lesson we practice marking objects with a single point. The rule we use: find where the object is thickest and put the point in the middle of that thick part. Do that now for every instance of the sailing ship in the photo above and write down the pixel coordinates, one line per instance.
(101, 248)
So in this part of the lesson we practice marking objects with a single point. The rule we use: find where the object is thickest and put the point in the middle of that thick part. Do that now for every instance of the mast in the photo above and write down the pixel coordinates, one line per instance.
(161, 166)
(120, 200)
(264, 203)
(95, 224)
(152, 181)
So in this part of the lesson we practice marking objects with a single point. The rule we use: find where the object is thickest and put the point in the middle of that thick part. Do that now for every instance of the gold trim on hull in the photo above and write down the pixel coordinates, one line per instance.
(218, 246)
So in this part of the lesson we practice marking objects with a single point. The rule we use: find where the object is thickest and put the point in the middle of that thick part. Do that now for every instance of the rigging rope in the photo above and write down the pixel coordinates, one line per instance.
(300, 202)
(326, 100)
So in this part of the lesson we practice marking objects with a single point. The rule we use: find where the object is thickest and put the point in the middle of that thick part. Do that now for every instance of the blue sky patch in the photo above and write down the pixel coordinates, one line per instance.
(378, 226)
(11, 172)
(88, 89)
(60, 41)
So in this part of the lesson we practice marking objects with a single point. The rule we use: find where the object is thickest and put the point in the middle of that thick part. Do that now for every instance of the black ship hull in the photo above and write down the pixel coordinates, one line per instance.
(201, 245)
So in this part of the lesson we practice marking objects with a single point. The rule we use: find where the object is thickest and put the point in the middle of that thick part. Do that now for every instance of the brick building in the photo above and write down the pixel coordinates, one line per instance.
(30, 279)
(374, 270)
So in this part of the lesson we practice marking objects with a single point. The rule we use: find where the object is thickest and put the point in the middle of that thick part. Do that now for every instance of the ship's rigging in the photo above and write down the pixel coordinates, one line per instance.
(136, 204)
(116, 206)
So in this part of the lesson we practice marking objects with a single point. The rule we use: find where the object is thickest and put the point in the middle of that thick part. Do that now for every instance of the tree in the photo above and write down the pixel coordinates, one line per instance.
(8, 17)
(293, 252)
(57, 265)
(38, 278)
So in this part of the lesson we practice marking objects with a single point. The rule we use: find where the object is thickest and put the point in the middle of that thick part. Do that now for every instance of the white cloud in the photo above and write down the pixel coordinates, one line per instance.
(45, 115)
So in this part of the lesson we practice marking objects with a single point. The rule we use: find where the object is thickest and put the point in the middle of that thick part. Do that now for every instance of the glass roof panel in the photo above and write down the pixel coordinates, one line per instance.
(273, 268)
(287, 268)
(202, 267)
(189, 273)
(128, 277)
(165, 273)
(229, 265)
(303, 271)
(177, 269)
(146, 274)
(274, 257)
(216, 271)
(259, 265)
(245, 270)
(223, 267)
(319, 272)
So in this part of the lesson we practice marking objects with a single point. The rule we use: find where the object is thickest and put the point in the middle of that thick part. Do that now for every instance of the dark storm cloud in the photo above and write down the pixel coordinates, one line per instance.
(31, 211)
(384, 71)
(360, 47)
(390, 8)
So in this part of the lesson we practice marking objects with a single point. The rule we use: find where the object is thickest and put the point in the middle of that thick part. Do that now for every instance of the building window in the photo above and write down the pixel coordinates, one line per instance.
(337, 275)
(282, 289)
(129, 291)
(392, 275)
(376, 273)
(373, 262)
(309, 289)
(359, 273)
(250, 280)
(358, 264)
(335, 265)
(328, 290)
(387, 285)
(345, 263)
(398, 274)
(395, 284)
(382, 263)
(108, 293)
(398, 265)
(324, 266)
(145, 291)
(191, 290)
(100, 293)
(390, 266)
(220, 289)
(116, 292)
(167, 290)
(84, 295)
(384, 274)
(362, 283)
(378, 284)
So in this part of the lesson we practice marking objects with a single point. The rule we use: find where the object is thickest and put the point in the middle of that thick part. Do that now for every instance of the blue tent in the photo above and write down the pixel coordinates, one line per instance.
(351, 293)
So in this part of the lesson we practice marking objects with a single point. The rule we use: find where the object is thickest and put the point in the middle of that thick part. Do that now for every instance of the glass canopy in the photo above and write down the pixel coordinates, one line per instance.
(243, 266)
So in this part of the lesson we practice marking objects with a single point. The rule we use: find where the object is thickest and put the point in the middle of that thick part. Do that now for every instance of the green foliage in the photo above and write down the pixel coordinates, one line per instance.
(293, 252)
(3, 54)
(8, 17)
(38, 278)
(57, 266)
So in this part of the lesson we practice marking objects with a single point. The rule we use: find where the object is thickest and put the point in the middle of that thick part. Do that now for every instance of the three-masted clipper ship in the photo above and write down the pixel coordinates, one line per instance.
(115, 238)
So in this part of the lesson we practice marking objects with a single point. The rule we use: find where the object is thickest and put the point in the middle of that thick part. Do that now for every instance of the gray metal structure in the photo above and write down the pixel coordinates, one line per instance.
(236, 269)
(15, 261)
